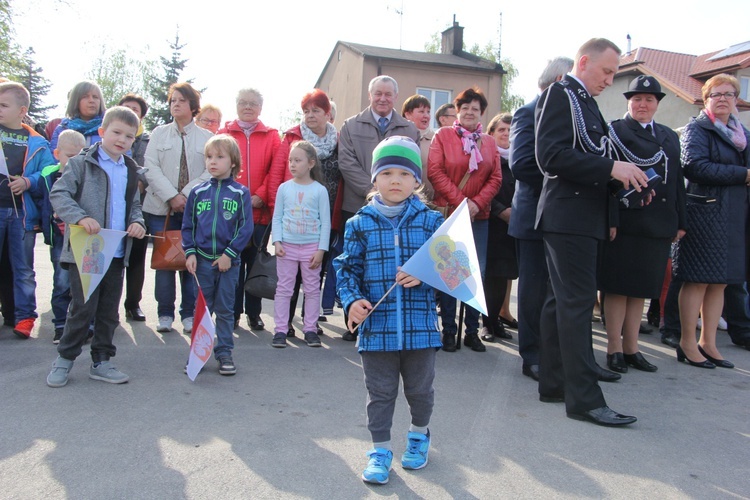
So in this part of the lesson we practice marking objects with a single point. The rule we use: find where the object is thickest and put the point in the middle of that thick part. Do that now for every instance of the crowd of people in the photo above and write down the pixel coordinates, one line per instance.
(578, 210)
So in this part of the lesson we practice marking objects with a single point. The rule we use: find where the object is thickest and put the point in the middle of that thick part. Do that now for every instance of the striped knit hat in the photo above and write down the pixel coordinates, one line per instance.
(397, 152)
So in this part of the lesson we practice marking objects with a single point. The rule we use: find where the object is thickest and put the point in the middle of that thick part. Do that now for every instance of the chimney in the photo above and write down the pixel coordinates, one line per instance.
(453, 39)
(629, 43)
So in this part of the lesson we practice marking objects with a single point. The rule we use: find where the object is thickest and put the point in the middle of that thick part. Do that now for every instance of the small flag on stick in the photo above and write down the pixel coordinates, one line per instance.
(448, 261)
(202, 340)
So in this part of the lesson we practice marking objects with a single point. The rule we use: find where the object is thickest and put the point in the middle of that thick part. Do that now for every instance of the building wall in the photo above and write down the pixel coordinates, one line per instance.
(346, 77)
(411, 75)
(342, 81)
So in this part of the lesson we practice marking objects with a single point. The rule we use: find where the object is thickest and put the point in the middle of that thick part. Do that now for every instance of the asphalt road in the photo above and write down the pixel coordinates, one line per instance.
(291, 423)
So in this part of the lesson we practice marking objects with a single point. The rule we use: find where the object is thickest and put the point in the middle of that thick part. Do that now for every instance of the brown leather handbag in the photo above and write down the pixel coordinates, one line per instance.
(167, 254)
(447, 210)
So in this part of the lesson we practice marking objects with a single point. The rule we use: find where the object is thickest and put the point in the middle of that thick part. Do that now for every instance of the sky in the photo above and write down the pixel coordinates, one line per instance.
(280, 48)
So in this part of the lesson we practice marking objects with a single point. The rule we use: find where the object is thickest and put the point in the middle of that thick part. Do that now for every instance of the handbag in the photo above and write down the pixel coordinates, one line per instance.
(447, 209)
(261, 280)
(167, 254)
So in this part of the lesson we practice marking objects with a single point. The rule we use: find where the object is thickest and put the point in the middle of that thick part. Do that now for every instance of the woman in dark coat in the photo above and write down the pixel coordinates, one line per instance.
(716, 158)
(501, 247)
(633, 260)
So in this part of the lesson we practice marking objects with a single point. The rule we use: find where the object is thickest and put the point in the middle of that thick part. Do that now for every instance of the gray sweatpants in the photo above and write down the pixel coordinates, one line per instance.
(382, 372)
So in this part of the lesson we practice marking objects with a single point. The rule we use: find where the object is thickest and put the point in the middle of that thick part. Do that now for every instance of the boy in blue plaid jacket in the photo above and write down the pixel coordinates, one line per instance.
(401, 337)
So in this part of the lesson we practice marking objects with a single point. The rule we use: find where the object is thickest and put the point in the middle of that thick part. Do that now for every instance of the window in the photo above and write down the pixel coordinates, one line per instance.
(437, 98)
(745, 88)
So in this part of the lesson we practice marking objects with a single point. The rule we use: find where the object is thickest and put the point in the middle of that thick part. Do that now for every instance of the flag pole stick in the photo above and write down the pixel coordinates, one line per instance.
(376, 305)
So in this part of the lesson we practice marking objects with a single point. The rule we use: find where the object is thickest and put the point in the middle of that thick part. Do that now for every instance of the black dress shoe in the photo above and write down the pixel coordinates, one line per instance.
(670, 340)
(449, 342)
(606, 375)
(471, 340)
(255, 323)
(349, 336)
(510, 323)
(603, 416)
(487, 335)
(638, 362)
(135, 314)
(616, 362)
(644, 329)
(681, 356)
(500, 331)
(721, 363)
(531, 371)
(552, 399)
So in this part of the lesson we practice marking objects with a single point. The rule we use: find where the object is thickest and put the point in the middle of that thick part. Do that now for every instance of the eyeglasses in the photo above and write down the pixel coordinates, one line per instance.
(248, 104)
(719, 95)
(206, 121)
(449, 116)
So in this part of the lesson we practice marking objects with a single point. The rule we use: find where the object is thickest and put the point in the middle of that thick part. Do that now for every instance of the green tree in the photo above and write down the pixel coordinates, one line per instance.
(117, 74)
(509, 102)
(11, 57)
(38, 86)
(158, 87)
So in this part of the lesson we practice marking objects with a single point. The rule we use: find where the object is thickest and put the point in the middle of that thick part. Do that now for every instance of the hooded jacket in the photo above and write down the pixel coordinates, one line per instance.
(38, 156)
(367, 267)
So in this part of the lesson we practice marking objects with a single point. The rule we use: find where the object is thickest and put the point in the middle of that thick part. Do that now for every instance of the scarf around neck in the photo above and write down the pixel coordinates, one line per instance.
(87, 128)
(504, 153)
(470, 143)
(248, 127)
(389, 211)
(733, 130)
(323, 145)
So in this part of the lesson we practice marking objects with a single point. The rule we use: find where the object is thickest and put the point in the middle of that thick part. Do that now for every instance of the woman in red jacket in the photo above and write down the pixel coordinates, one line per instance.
(464, 163)
(258, 145)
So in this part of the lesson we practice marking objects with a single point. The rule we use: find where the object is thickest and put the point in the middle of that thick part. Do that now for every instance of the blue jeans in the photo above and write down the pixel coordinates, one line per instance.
(244, 301)
(164, 288)
(218, 289)
(480, 230)
(60, 285)
(329, 287)
(21, 253)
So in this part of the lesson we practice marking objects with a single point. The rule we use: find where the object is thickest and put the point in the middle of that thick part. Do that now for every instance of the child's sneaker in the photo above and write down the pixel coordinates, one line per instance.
(279, 340)
(106, 372)
(417, 447)
(165, 324)
(226, 365)
(58, 335)
(187, 326)
(312, 339)
(23, 328)
(378, 467)
(58, 375)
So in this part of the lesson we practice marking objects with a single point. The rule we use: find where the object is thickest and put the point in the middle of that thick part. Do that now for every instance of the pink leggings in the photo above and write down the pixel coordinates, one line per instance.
(297, 257)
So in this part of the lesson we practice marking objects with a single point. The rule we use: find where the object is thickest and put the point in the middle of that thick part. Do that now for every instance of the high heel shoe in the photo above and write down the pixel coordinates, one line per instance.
(721, 363)
(702, 364)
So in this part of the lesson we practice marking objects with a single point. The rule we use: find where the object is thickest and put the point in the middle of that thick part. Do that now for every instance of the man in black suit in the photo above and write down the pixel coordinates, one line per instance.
(532, 268)
(571, 144)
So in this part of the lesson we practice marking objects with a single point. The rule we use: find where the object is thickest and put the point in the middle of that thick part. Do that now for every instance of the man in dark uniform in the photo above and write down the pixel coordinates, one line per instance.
(573, 216)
